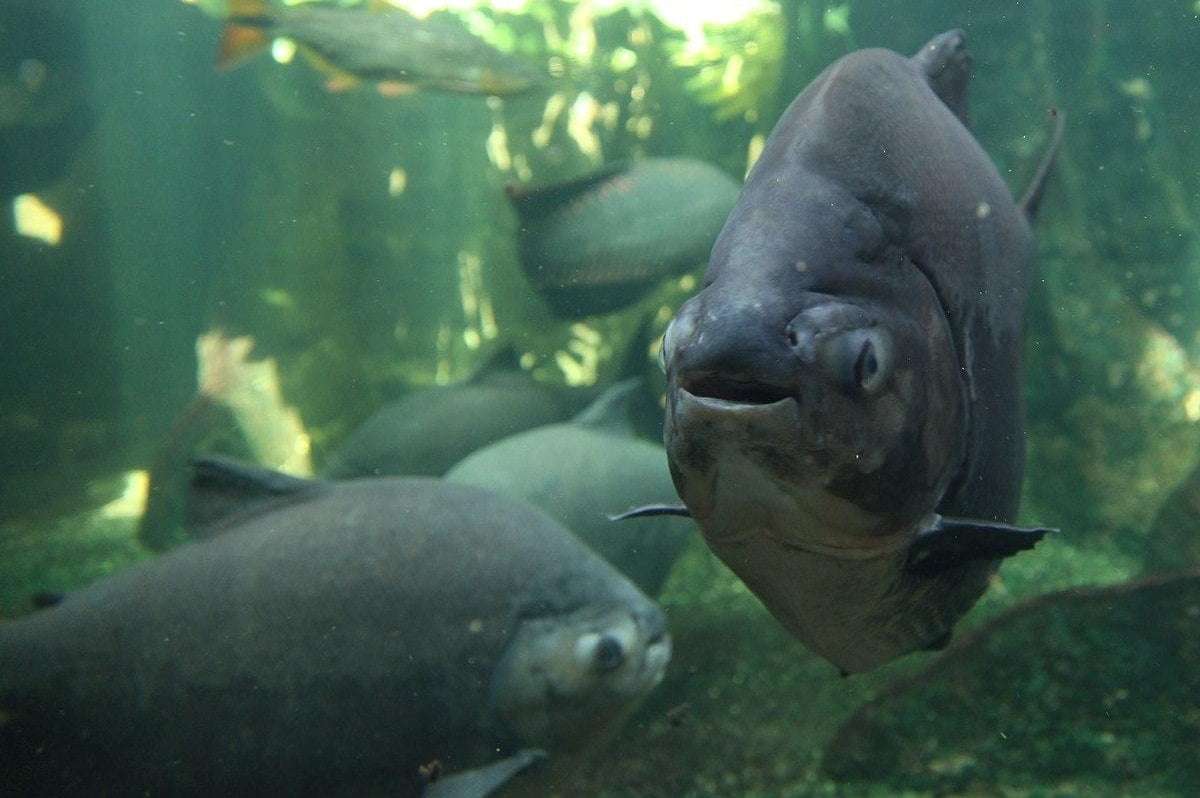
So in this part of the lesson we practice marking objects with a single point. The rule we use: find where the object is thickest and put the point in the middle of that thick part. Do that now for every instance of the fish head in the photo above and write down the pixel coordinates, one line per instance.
(572, 673)
(814, 390)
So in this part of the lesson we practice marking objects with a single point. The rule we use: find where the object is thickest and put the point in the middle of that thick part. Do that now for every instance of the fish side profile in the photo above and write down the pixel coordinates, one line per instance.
(844, 412)
(580, 471)
(327, 637)
(391, 48)
(598, 243)
(429, 430)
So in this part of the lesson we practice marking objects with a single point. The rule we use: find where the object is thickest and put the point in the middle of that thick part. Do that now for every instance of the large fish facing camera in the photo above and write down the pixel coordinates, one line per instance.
(844, 415)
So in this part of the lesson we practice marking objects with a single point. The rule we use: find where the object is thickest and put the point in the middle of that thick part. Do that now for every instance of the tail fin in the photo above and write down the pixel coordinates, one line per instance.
(1033, 195)
(245, 31)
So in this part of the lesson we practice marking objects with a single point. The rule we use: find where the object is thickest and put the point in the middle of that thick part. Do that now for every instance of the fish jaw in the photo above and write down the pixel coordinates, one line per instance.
(857, 611)
(746, 469)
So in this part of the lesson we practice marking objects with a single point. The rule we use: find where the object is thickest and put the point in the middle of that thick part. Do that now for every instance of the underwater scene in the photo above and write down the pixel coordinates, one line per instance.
(452, 398)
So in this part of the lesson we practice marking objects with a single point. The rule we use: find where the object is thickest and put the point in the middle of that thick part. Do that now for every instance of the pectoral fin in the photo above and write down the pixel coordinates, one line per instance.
(947, 542)
(483, 781)
(647, 510)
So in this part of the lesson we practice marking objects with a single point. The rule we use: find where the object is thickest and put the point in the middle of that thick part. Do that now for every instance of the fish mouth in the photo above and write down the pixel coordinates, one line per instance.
(725, 389)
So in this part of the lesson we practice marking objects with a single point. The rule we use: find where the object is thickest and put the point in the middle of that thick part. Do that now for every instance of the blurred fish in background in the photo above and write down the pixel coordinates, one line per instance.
(596, 244)
(582, 471)
(429, 430)
(380, 44)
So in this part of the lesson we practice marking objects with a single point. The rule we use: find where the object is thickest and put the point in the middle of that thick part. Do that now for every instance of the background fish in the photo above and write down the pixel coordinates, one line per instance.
(595, 244)
(581, 472)
(325, 636)
(392, 48)
(428, 431)
(852, 370)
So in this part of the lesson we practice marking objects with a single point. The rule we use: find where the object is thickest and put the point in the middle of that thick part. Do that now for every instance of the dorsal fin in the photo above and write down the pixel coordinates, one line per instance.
(611, 411)
(223, 491)
(535, 202)
(504, 360)
(946, 63)
(1033, 195)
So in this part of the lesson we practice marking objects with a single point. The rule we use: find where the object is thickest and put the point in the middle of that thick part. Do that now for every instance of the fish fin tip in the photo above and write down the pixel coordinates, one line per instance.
(221, 489)
(946, 63)
(949, 542)
(238, 43)
(539, 201)
(1032, 199)
(612, 410)
(485, 780)
(648, 510)
(241, 9)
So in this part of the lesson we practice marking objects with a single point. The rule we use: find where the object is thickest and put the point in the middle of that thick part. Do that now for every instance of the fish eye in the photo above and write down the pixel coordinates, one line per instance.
(862, 360)
(608, 655)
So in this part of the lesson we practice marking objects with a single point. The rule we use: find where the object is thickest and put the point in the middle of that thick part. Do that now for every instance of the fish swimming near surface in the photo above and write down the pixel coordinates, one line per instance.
(322, 637)
(596, 244)
(844, 414)
(578, 472)
(392, 48)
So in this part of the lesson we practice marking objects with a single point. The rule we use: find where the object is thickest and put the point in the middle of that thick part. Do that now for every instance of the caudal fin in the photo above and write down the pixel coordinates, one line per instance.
(1033, 195)
(245, 32)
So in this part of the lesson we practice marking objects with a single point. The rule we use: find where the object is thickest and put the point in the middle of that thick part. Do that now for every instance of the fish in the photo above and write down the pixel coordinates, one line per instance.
(844, 415)
(391, 48)
(319, 636)
(598, 243)
(580, 471)
(431, 429)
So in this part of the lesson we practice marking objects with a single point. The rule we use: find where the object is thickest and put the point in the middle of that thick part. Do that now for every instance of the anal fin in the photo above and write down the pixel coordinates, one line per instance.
(483, 781)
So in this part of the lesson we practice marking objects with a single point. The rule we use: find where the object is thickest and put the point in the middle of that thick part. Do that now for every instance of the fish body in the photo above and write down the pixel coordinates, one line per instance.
(844, 415)
(428, 431)
(579, 473)
(325, 636)
(597, 243)
(387, 47)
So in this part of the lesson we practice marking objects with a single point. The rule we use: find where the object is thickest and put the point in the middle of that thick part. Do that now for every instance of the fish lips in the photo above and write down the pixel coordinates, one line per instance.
(708, 411)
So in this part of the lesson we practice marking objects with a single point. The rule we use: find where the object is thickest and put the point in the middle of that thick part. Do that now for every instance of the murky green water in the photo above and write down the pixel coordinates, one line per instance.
(252, 261)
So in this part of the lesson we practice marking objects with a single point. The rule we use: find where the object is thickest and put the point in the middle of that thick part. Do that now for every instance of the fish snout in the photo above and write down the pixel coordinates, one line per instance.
(729, 351)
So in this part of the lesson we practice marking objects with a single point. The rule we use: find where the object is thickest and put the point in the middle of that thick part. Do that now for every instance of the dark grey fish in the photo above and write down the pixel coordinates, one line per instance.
(580, 472)
(428, 431)
(389, 47)
(325, 636)
(851, 371)
(596, 244)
